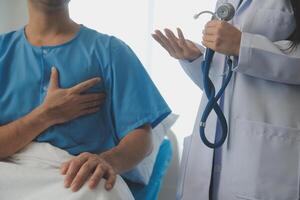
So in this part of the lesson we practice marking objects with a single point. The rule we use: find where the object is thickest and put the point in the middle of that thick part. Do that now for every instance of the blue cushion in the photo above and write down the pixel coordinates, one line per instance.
(151, 191)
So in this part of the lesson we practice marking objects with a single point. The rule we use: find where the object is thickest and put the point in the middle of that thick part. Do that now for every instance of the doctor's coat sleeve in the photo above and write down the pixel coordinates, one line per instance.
(135, 101)
(193, 69)
(261, 58)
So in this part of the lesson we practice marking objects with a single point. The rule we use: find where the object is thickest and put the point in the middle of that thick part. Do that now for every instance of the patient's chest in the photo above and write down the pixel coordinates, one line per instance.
(25, 76)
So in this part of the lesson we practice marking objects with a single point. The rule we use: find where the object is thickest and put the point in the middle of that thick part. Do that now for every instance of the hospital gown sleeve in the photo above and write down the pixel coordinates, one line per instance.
(1, 45)
(261, 58)
(135, 99)
(193, 69)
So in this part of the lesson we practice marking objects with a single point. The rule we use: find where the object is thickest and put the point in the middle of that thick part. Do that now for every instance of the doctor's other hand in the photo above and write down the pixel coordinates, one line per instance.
(222, 37)
(89, 168)
(63, 105)
(177, 46)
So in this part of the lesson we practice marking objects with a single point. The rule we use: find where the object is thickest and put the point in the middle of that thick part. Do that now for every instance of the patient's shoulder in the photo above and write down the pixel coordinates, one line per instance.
(118, 45)
(8, 39)
(94, 37)
(107, 43)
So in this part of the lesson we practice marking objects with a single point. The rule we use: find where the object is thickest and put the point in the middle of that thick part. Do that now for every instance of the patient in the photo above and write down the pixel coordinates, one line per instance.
(79, 90)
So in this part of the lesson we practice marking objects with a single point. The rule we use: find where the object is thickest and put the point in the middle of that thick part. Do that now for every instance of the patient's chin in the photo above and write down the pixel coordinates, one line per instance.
(51, 5)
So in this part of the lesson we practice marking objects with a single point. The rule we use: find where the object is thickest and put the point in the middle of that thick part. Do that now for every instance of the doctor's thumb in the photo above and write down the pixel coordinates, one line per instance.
(54, 79)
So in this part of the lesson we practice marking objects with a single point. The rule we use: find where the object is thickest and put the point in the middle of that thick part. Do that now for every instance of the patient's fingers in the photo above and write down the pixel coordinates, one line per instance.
(73, 169)
(54, 79)
(96, 177)
(64, 168)
(91, 105)
(79, 169)
(92, 97)
(88, 111)
(111, 179)
(83, 174)
(81, 87)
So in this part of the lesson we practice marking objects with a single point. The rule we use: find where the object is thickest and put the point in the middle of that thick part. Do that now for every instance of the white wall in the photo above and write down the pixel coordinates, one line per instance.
(13, 14)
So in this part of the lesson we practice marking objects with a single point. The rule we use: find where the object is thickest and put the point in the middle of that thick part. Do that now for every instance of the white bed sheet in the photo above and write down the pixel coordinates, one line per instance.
(33, 174)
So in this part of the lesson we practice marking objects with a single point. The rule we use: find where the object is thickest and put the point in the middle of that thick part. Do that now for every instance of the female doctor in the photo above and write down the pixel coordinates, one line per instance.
(260, 159)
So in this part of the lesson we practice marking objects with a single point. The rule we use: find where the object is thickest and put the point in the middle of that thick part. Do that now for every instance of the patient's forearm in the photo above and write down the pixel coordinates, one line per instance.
(131, 150)
(16, 135)
(59, 106)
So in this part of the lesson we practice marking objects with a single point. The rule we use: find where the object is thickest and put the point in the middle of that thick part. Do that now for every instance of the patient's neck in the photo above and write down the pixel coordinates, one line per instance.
(50, 28)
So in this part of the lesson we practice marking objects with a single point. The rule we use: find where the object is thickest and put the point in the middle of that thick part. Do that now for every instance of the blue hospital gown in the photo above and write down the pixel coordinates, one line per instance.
(132, 99)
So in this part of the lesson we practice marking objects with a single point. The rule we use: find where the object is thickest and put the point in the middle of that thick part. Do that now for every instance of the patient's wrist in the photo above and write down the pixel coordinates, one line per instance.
(111, 157)
(44, 117)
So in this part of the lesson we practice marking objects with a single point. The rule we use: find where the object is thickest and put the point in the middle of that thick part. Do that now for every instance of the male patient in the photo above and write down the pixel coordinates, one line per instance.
(79, 90)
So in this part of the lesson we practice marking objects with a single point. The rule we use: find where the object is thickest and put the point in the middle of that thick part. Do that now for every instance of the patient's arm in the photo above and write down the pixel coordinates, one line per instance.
(60, 105)
(131, 150)
(16, 135)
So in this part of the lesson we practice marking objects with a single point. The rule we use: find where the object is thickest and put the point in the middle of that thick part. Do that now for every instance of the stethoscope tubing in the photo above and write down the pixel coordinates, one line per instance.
(213, 99)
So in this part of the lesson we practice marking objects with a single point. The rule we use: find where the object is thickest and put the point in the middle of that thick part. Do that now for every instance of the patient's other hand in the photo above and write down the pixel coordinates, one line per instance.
(63, 105)
(88, 167)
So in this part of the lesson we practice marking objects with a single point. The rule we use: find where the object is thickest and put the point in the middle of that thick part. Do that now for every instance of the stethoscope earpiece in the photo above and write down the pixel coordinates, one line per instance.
(225, 12)
(196, 16)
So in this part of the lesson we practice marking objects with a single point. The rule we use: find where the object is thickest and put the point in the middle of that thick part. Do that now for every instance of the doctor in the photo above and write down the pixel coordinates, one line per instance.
(260, 159)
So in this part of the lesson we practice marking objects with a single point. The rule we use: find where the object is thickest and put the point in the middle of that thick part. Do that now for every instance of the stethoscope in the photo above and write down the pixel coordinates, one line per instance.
(225, 12)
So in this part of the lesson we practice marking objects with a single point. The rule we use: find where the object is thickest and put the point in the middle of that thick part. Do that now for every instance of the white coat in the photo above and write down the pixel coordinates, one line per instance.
(261, 156)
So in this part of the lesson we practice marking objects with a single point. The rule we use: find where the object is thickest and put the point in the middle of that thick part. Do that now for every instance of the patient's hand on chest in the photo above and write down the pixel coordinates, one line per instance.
(63, 105)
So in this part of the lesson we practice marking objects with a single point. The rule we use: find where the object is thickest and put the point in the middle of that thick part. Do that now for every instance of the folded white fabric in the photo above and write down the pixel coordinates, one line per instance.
(33, 174)
(143, 171)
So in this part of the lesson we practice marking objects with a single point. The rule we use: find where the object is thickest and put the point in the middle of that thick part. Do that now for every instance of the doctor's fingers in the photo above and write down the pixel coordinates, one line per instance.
(215, 23)
(74, 167)
(82, 87)
(210, 45)
(218, 47)
(164, 42)
(157, 39)
(212, 38)
(174, 41)
(182, 39)
(211, 31)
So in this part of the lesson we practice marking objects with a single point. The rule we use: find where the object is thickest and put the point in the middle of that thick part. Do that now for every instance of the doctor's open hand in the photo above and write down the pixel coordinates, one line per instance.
(89, 168)
(63, 105)
(222, 37)
(177, 46)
